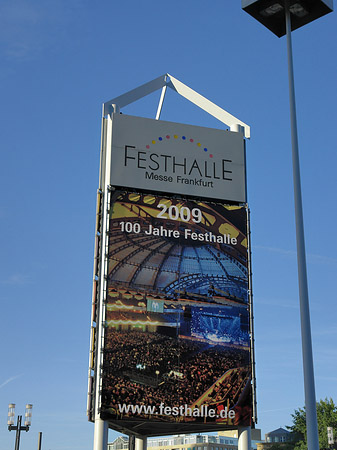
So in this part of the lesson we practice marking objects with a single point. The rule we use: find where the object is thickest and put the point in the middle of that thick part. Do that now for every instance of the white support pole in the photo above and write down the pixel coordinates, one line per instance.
(101, 426)
(141, 443)
(100, 435)
(244, 438)
(135, 94)
(206, 105)
(161, 101)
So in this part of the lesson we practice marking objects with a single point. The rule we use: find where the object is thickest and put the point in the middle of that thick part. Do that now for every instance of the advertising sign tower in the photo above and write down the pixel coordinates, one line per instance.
(171, 346)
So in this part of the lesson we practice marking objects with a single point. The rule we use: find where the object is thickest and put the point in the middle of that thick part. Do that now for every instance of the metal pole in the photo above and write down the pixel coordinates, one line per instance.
(132, 442)
(40, 441)
(18, 431)
(308, 366)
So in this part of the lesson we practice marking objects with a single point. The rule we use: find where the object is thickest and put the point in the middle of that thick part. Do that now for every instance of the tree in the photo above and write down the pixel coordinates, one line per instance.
(326, 417)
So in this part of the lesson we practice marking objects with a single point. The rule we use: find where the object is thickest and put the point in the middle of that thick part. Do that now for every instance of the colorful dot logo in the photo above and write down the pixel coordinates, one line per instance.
(183, 138)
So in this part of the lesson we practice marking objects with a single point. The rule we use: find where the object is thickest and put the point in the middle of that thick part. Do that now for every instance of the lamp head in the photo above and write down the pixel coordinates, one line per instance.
(11, 414)
(28, 415)
(271, 13)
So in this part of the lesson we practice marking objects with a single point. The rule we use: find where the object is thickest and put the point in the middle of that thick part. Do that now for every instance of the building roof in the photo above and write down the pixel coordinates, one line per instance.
(279, 431)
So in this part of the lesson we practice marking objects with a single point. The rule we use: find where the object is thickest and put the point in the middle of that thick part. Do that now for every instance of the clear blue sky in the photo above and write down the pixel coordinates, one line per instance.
(60, 60)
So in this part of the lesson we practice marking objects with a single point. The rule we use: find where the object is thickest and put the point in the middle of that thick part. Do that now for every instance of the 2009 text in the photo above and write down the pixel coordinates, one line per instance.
(183, 213)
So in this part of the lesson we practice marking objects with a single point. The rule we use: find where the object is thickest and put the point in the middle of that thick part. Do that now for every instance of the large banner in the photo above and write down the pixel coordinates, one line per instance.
(177, 346)
(178, 158)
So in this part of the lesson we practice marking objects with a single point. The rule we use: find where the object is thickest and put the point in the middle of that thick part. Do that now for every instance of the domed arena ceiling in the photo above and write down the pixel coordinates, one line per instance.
(174, 256)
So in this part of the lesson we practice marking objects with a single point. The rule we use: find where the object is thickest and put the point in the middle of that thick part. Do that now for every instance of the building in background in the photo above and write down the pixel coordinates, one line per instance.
(120, 443)
(279, 436)
(255, 435)
(224, 440)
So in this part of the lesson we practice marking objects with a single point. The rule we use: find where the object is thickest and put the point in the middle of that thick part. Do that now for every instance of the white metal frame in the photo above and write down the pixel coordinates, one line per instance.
(110, 107)
(182, 89)
(101, 426)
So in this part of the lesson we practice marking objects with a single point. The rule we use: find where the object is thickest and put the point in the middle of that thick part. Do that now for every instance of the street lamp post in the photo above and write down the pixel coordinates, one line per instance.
(18, 427)
(281, 17)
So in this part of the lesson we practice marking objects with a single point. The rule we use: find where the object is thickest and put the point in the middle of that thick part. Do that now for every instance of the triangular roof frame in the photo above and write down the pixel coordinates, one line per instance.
(168, 80)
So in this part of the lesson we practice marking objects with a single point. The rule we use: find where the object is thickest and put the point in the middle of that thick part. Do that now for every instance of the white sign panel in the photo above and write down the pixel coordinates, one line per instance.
(330, 435)
(171, 157)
